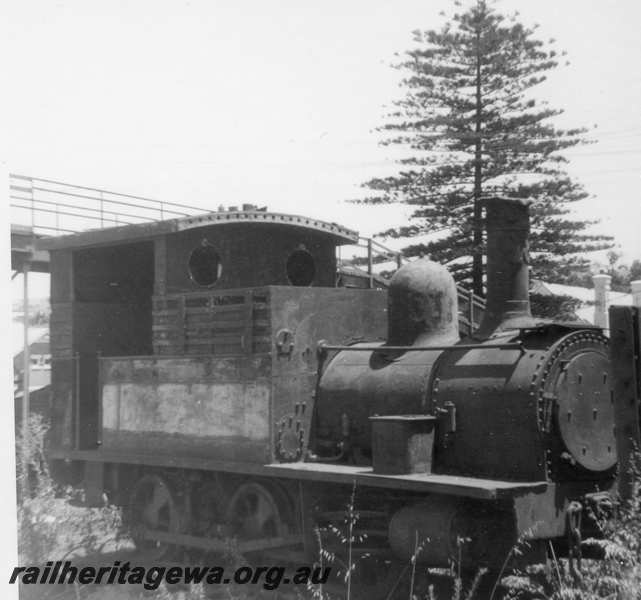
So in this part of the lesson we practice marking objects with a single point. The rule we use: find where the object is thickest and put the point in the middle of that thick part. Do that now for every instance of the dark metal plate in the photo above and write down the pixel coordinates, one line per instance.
(585, 410)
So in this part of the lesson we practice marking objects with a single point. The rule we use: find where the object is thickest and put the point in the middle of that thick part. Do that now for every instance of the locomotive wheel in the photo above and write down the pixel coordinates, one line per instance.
(152, 508)
(253, 513)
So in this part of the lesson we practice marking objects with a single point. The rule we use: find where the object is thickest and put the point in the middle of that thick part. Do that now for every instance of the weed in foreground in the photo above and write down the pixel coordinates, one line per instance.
(406, 584)
(51, 525)
(614, 576)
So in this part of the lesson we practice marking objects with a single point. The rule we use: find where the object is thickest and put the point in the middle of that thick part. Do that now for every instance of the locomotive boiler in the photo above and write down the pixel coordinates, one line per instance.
(210, 375)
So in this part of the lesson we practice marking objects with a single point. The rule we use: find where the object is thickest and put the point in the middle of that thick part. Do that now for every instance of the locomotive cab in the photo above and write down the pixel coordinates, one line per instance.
(195, 335)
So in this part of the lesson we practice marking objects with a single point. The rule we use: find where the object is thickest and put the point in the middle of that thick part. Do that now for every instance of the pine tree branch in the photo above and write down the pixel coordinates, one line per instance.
(472, 129)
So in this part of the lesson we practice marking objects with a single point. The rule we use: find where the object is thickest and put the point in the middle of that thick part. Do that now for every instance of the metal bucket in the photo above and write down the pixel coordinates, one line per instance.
(402, 444)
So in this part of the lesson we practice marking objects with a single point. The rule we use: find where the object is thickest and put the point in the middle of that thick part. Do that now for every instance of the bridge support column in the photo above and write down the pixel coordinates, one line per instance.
(26, 360)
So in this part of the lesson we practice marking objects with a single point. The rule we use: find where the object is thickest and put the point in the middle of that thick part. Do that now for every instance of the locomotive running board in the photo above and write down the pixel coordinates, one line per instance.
(470, 487)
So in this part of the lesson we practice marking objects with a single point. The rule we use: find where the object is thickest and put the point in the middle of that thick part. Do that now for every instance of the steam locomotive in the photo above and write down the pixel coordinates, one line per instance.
(209, 375)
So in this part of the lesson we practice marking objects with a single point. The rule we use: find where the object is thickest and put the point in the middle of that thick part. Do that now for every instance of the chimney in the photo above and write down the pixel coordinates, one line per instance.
(508, 296)
(601, 299)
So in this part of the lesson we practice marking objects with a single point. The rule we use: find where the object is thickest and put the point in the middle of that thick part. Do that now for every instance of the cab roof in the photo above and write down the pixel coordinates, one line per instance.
(130, 233)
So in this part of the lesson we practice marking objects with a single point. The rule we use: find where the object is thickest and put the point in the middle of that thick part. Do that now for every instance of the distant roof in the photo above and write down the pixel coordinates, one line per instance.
(36, 334)
(585, 295)
(558, 289)
(125, 233)
(576, 291)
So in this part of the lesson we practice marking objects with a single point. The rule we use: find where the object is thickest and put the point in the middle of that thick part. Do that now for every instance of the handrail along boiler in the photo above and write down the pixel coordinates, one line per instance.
(208, 374)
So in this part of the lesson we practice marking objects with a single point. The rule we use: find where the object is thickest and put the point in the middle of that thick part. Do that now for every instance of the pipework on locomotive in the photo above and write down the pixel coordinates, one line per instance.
(210, 375)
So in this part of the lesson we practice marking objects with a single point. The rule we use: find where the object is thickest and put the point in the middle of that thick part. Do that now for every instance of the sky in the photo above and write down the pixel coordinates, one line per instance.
(276, 103)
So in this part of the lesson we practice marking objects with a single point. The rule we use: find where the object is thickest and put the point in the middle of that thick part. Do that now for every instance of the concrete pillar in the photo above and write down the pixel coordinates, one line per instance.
(636, 292)
(26, 364)
(601, 299)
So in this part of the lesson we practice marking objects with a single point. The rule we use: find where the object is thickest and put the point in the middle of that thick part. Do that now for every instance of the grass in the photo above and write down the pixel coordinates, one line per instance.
(348, 567)
(51, 520)
(615, 576)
